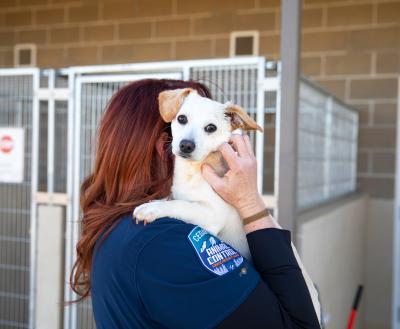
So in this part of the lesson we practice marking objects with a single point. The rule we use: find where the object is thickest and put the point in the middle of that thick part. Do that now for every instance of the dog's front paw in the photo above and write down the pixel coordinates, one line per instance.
(148, 212)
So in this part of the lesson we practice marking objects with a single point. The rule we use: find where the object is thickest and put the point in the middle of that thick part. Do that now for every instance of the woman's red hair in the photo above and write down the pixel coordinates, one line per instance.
(128, 169)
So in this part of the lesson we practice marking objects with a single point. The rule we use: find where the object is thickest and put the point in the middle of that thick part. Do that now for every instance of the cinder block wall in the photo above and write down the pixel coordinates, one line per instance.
(352, 47)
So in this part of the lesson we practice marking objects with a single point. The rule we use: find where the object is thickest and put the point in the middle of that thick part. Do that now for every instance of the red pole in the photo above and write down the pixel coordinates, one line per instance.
(356, 303)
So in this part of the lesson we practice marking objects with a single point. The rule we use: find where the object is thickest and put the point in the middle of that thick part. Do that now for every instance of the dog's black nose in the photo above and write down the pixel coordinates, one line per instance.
(187, 146)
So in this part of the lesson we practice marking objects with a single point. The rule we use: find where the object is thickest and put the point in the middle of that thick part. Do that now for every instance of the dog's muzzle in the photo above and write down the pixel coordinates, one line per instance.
(186, 146)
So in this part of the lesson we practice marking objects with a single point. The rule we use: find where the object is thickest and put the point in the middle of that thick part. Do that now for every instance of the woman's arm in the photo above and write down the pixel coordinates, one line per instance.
(270, 247)
(282, 278)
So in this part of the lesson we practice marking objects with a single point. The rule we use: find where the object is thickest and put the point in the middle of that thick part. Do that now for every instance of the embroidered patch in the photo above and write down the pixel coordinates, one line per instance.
(216, 256)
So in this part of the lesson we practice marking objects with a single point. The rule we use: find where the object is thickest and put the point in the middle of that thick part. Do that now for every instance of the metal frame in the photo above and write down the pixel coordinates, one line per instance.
(396, 228)
(35, 73)
(124, 78)
(329, 110)
(165, 66)
(34, 182)
(260, 122)
(50, 136)
(69, 311)
(286, 118)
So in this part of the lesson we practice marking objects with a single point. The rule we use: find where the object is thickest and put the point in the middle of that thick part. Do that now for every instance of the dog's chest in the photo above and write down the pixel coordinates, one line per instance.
(189, 184)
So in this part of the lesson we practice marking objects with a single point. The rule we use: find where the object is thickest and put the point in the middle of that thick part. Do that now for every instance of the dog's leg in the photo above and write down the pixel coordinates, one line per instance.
(189, 211)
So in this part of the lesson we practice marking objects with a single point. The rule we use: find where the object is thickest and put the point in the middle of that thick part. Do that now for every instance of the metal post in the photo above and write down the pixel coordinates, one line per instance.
(327, 147)
(76, 185)
(69, 210)
(396, 229)
(34, 188)
(51, 132)
(287, 116)
(260, 121)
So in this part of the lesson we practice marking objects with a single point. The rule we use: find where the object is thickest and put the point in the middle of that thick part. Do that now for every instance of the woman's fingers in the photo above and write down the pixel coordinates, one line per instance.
(211, 177)
(240, 144)
(248, 144)
(229, 155)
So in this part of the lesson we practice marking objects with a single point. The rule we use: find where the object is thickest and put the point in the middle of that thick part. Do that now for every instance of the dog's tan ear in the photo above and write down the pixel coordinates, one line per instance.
(240, 119)
(170, 101)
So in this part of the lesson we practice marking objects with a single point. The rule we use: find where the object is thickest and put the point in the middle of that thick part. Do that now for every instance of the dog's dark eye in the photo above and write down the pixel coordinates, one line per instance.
(210, 128)
(182, 119)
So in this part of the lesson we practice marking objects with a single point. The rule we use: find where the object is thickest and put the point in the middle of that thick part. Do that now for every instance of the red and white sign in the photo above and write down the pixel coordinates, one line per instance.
(11, 155)
(6, 144)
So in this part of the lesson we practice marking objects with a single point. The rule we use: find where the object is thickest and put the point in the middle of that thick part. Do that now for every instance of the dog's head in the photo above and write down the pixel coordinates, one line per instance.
(200, 125)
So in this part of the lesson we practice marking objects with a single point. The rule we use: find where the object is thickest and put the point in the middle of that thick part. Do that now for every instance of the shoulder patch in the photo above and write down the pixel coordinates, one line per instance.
(215, 255)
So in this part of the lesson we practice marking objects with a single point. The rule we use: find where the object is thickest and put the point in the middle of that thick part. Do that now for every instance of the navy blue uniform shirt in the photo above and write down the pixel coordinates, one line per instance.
(170, 274)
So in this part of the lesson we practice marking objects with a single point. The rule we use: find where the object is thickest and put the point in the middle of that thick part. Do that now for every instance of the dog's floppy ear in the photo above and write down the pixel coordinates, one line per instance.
(240, 119)
(169, 102)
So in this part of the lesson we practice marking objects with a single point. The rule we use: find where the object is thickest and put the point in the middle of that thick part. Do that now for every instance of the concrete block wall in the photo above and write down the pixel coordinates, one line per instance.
(332, 241)
(351, 47)
(344, 244)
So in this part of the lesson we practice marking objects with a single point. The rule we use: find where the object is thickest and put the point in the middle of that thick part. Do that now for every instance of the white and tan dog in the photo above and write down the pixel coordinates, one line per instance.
(199, 126)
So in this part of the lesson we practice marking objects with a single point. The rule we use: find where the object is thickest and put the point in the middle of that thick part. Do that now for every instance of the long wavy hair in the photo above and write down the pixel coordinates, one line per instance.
(129, 169)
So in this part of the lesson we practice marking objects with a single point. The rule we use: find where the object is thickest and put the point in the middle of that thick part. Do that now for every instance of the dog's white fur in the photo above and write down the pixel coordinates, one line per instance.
(192, 198)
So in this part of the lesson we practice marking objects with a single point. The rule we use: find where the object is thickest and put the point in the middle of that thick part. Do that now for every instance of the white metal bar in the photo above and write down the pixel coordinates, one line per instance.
(69, 208)
(128, 77)
(327, 146)
(165, 65)
(34, 187)
(51, 135)
(269, 201)
(260, 122)
(52, 198)
(59, 94)
(19, 71)
(76, 185)
(355, 152)
(185, 72)
(271, 84)
(396, 228)
(277, 171)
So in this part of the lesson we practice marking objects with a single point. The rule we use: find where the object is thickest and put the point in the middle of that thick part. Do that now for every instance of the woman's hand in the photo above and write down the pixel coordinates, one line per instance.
(239, 185)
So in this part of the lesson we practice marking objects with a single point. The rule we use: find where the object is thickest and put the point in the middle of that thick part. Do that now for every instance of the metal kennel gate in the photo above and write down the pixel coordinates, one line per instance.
(19, 107)
(92, 87)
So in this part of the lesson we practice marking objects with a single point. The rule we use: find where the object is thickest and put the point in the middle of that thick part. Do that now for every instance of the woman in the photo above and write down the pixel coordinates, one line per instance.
(152, 276)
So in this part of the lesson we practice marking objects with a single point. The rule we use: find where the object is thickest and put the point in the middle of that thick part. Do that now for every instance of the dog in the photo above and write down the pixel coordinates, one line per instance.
(199, 126)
